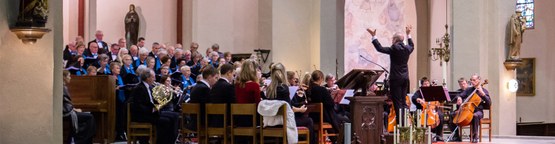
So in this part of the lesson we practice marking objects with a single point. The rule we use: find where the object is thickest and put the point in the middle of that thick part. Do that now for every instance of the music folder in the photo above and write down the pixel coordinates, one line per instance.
(435, 93)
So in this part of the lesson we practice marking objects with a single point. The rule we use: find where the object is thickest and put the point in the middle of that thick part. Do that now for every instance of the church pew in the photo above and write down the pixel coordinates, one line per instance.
(96, 94)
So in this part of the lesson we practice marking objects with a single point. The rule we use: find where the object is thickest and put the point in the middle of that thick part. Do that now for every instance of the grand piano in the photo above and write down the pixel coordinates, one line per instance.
(96, 94)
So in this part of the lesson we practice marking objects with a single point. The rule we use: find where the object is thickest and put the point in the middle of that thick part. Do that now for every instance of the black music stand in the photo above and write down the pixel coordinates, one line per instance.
(435, 93)
(359, 79)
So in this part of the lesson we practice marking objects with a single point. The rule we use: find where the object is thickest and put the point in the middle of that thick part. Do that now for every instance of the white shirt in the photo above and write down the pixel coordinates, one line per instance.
(149, 93)
(206, 83)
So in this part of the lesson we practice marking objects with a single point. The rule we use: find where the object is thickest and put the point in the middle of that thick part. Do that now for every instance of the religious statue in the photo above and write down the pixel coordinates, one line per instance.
(32, 13)
(131, 26)
(517, 28)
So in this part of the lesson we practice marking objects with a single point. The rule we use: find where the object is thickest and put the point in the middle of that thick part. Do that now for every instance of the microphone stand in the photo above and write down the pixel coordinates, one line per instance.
(386, 80)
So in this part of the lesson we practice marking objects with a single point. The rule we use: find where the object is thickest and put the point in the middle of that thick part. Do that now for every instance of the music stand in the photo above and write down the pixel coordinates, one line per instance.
(435, 93)
(359, 79)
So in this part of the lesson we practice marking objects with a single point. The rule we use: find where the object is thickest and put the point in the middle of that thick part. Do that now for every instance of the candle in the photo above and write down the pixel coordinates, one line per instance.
(410, 135)
(429, 135)
(394, 134)
(400, 118)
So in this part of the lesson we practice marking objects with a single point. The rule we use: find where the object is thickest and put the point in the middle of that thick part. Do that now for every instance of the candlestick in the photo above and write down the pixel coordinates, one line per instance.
(394, 134)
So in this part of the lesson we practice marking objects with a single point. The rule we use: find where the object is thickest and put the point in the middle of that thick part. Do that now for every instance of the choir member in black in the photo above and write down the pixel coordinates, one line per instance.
(187, 81)
(69, 51)
(214, 57)
(201, 92)
(279, 90)
(178, 55)
(127, 67)
(227, 57)
(223, 91)
(114, 50)
(155, 49)
(195, 64)
(143, 55)
(463, 84)
(483, 93)
(121, 116)
(165, 61)
(134, 52)
(83, 124)
(143, 109)
(80, 50)
(418, 100)
(164, 71)
(318, 94)
(78, 67)
(91, 71)
(92, 52)
(103, 46)
(151, 63)
(399, 74)
(102, 66)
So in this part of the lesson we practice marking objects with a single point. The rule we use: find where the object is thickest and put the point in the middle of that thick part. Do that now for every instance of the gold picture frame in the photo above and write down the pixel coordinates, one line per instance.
(526, 76)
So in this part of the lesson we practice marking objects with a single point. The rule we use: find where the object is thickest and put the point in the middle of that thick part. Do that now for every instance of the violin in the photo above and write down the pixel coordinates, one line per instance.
(466, 112)
(391, 121)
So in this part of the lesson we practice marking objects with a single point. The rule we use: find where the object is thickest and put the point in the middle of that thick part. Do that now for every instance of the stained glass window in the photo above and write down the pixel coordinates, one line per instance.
(527, 8)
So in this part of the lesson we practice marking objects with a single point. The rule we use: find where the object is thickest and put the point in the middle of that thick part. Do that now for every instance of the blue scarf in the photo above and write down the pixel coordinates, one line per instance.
(187, 83)
(81, 72)
(129, 70)
(120, 92)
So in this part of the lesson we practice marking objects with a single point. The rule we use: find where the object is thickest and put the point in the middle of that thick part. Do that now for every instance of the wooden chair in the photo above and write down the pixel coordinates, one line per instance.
(216, 109)
(276, 131)
(320, 125)
(486, 121)
(191, 109)
(304, 131)
(139, 129)
(243, 110)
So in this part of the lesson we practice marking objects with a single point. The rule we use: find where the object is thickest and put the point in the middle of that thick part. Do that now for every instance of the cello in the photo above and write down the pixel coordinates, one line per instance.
(466, 112)
(391, 121)
(429, 116)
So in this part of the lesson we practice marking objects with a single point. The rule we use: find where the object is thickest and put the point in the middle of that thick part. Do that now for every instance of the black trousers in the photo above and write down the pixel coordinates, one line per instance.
(307, 122)
(439, 129)
(474, 124)
(166, 127)
(87, 128)
(398, 95)
(121, 117)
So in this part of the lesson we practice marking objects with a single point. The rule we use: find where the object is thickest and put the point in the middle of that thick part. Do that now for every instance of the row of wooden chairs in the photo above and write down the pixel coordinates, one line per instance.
(204, 132)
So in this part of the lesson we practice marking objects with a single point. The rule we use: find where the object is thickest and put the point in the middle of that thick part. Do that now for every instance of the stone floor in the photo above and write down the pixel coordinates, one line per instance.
(500, 140)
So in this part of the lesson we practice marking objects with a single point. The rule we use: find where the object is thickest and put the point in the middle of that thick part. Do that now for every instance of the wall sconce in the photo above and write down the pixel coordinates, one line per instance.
(443, 53)
(263, 54)
(512, 85)
(32, 17)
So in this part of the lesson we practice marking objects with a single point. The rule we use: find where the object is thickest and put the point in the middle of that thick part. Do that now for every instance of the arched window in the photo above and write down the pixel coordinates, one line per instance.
(527, 8)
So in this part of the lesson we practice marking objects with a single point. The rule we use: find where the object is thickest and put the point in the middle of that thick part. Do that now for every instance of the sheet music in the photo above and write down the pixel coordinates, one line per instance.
(292, 91)
(349, 93)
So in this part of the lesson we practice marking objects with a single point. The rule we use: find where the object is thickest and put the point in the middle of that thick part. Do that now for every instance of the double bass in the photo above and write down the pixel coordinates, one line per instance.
(391, 121)
(466, 112)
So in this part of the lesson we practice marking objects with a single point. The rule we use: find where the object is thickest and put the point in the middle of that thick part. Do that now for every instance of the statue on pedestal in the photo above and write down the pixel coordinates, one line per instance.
(517, 28)
(32, 13)
(131, 26)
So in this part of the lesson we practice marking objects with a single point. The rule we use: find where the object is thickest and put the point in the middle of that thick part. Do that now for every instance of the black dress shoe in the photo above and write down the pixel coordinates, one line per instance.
(456, 139)
(474, 140)
(438, 138)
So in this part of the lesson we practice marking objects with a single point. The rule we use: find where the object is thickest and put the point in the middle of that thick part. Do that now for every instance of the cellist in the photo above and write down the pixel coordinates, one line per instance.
(419, 101)
(475, 81)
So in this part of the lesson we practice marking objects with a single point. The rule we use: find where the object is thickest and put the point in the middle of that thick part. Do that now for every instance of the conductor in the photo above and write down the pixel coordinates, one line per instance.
(399, 56)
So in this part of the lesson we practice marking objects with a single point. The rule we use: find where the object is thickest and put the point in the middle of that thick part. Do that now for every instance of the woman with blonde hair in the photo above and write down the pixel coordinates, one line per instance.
(247, 88)
(122, 51)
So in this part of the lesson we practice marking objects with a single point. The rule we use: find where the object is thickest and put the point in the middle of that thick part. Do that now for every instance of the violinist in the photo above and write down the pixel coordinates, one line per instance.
(483, 93)
(420, 103)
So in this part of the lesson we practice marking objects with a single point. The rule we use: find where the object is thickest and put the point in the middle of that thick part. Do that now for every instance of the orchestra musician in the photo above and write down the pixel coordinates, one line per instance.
(483, 93)
(144, 110)
(399, 55)
(418, 100)
(83, 124)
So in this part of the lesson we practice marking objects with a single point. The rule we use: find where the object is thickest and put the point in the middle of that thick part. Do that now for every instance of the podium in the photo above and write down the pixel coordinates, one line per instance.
(366, 110)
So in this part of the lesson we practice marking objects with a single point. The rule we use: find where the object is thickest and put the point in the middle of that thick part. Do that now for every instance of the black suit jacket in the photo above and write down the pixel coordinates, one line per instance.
(399, 54)
(200, 93)
(141, 106)
(67, 54)
(100, 50)
(223, 92)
